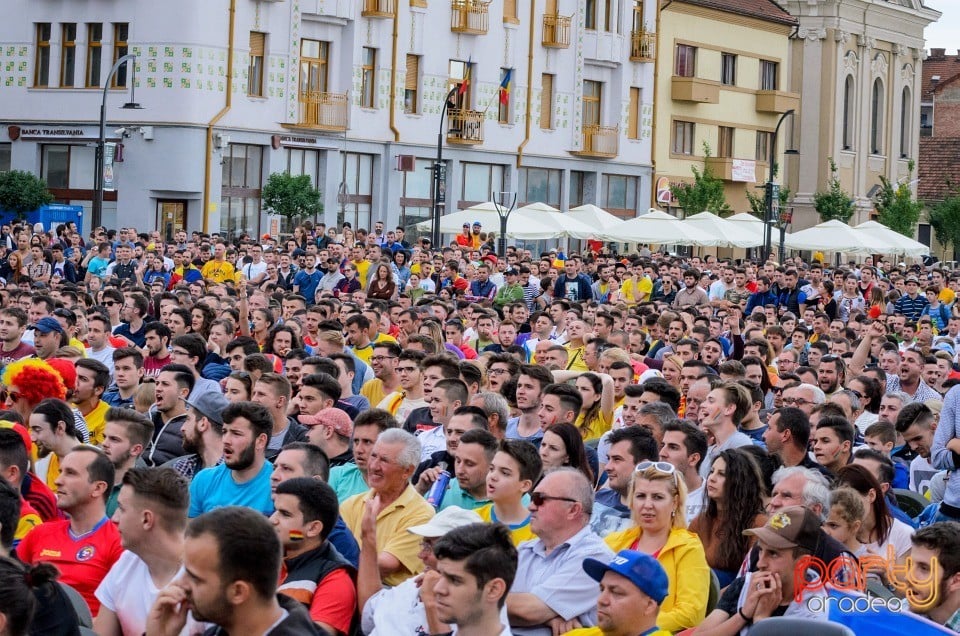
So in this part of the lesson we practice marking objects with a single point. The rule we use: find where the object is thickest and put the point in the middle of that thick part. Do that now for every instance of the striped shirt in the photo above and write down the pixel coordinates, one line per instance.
(912, 308)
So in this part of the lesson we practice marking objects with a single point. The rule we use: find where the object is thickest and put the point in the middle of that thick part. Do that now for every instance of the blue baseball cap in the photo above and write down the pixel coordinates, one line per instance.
(48, 324)
(641, 569)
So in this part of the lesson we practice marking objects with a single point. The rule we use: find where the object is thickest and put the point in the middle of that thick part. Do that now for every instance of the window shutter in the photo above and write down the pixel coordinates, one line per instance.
(257, 44)
(412, 80)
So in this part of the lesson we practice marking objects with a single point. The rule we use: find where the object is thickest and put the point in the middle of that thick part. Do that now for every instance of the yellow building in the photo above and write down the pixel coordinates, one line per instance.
(722, 78)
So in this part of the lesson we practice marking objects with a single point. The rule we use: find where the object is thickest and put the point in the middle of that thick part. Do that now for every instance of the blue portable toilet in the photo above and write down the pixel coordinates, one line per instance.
(52, 215)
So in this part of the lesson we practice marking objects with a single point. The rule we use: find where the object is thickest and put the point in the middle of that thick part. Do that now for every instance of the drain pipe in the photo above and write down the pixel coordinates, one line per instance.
(228, 102)
(529, 107)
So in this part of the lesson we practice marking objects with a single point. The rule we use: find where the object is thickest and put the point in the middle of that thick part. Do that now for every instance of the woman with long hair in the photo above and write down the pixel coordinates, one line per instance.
(382, 286)
(349, 238)
(201, 319)
(12, 270)
(734, 503)
(672, 366)
(262, 322)
(596, 414)
(879, 529)
(828, 304)
(238, 386)
(433, 330)
(658, 499)
(561, 446)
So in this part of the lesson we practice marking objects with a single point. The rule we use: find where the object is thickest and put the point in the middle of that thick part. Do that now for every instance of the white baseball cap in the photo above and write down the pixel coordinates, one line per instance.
(445, 521)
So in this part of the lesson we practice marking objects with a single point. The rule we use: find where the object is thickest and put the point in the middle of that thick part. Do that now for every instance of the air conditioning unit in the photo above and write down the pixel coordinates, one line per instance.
(406, 163)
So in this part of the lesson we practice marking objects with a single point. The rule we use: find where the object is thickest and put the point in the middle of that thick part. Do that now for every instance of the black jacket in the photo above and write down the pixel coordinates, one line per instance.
(297, 622)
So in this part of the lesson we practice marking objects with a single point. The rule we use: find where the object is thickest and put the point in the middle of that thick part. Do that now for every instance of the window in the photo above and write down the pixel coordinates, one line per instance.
(633, 114)
(848, 98)
(590, 15)
(725, 142)
(302, 161)
(591, 102)
(417, 197)
(580, 183)
(768, 75)
(411, 85)
(608, 21)
(510, 11)
(258, 43)
(121, 31)
(41, 63)
(620, 193)
(356, 190)
(728, 69)
(68, 54)
(94, 54)
(876, 118)
(480, 180)
(460, 74)
(5, 157)
(905, 104)
(546, 101)
(540, 184)
(685, 64)
(638, 24)
(503, 95)
(368, 79)
(763, 145)
(240, 189)
(55, 165)
(314, 58)
(683, 137)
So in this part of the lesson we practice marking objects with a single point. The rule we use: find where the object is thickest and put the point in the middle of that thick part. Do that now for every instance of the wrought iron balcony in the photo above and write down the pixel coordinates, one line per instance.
(379, 8)
(599, 141)
(643, 46)
(464, 126)
(556, 31)
(470, 16)
(324, 111)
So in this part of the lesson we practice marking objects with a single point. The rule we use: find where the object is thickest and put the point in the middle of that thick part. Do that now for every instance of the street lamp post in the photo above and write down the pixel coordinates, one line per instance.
(439, 176)
(773, 193)
(98, 179)
(506, 204)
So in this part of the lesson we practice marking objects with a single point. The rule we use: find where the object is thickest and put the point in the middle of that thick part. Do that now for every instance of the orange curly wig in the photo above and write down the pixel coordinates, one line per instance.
(35, 380)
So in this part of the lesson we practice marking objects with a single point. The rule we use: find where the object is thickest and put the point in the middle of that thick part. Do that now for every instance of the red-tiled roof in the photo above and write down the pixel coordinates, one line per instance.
(938, 63)
(762, 9)
(938, 168)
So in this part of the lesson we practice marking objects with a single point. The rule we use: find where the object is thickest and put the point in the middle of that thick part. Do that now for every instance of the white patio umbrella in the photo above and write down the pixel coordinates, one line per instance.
(904, 244)
(531, 224)
(597, 218)
(546, 218)
(663, 229)
(732, 234)
(836, 236)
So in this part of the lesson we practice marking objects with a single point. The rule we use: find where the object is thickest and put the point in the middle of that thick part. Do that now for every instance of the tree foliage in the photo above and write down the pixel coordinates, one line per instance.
(291, 196)
(834, 203)
(944, 219)
(22, 192)
(704, 194)
(896, 207)
(758, 202)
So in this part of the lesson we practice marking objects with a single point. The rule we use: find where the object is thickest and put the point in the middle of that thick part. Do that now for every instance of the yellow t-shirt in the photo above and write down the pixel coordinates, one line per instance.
(634, 293)
(575, 359)
(373, 391)
(519, 532)
(363, 268)
(96, 422)
(218, 271)
(947, 296)
(410, 509)
(364, 353)
(596, 427)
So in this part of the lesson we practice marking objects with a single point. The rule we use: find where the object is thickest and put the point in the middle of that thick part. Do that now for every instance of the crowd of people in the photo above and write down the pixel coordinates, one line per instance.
(345, 433)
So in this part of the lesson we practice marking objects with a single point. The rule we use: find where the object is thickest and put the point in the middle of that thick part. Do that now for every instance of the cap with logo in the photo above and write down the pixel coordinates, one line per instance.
(641, 569)
(792, 527)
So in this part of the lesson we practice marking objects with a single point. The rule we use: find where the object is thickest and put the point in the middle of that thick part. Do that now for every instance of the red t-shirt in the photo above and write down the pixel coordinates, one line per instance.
(22, 350)
(152, 366)
(40, 497)
(83, 562)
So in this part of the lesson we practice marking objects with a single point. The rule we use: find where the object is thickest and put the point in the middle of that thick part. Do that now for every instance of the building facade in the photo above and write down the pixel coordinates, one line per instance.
(551, 101)
(722, 83)
(858, 66)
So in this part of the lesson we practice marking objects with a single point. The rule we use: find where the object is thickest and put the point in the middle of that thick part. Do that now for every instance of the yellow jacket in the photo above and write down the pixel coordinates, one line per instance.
(685, 562)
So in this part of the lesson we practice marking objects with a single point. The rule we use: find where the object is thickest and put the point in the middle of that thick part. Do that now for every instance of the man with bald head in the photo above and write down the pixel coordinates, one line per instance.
(551, 593)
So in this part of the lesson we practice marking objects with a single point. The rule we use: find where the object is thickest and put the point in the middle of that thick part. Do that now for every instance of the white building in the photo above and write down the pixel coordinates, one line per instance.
(233, 90)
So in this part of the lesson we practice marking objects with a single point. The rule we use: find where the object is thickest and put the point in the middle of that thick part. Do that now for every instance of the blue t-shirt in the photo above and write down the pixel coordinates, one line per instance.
(98, 266)
(214, 488)
(308, 284)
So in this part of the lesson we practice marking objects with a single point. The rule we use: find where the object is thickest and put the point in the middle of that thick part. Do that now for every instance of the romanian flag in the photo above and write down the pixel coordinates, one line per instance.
(505, 86)
(296, 535)
(466, 78)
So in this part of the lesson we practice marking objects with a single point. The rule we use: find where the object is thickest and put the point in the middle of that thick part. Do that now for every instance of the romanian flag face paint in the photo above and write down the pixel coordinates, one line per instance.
(296, 535)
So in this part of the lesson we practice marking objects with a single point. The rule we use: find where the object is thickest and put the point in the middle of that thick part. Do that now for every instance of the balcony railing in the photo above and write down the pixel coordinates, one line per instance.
(599, 141)
(643, 46)
(470, 16)
(324, 111)
(464, 126)
(556, 31)
(379, 8)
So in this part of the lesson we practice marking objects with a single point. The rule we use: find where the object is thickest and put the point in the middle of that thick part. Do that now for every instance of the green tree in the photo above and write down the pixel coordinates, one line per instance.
(291, 197)
(834, 203)
(758, 202)
(22, 192)
(896, 207)
(704, 194)
(945, 221)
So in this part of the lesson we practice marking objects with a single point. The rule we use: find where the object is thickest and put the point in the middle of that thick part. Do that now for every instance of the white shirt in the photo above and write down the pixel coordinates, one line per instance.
(899, 537)
(252, 270)
(696, 502)
(128, 591)
(433, 441)
(105, 356)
